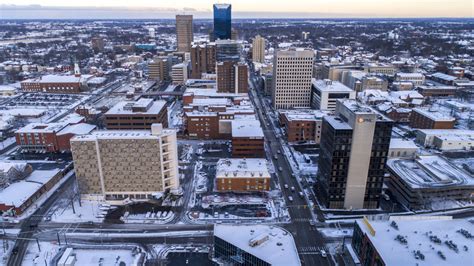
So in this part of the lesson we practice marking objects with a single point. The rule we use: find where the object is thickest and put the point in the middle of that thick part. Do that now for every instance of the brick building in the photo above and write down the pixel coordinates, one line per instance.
(247, 139)
(427, 119)
(302, 125)
(52, 137)
(242, 175)
(56, 84)
(203, 59)
(139, 114)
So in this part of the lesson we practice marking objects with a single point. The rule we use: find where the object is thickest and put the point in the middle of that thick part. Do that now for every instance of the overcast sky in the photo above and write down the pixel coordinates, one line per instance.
(241, 8)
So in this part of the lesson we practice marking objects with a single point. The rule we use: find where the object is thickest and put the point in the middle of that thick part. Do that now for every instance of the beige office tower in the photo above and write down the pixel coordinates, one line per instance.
(292, 73)
(184, 32)
(128, 164)
(258, 49)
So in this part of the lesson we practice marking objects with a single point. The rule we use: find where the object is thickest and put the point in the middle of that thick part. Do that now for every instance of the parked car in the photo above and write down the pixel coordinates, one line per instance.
(286, 186)
(280, 169)
(301, 194)
(323, 253)
(293, 189)
(290, 198)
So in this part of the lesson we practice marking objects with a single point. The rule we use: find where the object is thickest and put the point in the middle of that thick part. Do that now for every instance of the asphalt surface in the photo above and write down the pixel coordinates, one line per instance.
(308, 239)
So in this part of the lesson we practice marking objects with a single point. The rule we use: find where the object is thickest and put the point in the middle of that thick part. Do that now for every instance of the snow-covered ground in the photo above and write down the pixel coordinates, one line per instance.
(336, 233)
(148, 218)
(89, 211)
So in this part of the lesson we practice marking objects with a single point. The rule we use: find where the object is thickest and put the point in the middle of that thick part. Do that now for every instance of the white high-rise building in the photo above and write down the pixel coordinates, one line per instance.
(258, 49)
(292, 73)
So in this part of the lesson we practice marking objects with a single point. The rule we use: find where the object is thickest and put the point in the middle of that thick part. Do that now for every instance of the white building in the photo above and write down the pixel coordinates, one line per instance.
(417, 79)
(292, 73)
(453, 142)
(325, 94)
(179, 73)
(426, 137)
(400, 148)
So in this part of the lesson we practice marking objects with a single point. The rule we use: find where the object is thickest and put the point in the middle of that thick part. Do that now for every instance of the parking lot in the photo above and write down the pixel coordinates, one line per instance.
(44, 100)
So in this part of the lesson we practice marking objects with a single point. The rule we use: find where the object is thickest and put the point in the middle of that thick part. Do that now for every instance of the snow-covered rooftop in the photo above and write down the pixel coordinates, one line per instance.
(247, 129)
(331, 86)
(240, 168)
(429, 171)
(59, 79)
(278, 249)
(17, 193)
(78, 129)
(421, 234)
(42, 128)
(303, 115)
(125, 107)
(434, 115)
(402, 144)
(120, 134)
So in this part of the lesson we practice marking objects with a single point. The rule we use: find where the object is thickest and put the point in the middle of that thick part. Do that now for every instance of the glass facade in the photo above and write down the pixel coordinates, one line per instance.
(225, 251)
(222, 21)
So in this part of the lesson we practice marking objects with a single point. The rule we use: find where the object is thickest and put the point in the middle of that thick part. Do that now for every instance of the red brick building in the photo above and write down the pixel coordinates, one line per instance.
(56, 84)
(427, 119)
(247, 139)
(202, 125)
(302, 125)
(52, 137)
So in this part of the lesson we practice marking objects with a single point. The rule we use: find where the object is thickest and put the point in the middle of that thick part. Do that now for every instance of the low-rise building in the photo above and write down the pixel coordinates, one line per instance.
(56, 84)
(302, 125)
(412, 240)
(425, 137)
(242, 175)
(400, 148)
(437, 91)
(18, 196)
(325, 93)
(420, 183)
(416, 79)
(50, 137)
(141, 114)
(430, 119)
(127, 164)
(453, 142)
(254, 245)
(247, 139)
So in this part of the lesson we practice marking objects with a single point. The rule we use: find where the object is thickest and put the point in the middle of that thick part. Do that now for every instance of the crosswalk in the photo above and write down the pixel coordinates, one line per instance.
(309, 250)
(301, 220)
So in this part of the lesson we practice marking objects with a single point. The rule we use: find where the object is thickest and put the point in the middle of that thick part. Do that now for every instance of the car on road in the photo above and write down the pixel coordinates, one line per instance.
(386, 197)
(323, 253)
(278, 151)
(275, 157)
(290, 198)
(280, 169)
(293, 189)
(33, 225)
(15, 251)
(286, 186)
(301, 194)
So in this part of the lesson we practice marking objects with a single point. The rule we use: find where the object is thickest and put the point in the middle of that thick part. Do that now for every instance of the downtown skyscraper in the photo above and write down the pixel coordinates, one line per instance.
(222, 21)
(184, 32)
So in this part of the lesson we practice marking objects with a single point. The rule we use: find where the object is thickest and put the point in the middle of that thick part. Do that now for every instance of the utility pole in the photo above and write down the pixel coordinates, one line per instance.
(37, 242)
(59, 239)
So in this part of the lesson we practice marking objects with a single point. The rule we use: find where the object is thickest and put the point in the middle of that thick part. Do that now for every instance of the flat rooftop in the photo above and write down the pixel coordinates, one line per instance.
(330, 86)
(278, 249)
(402, 144)
(59, 79)
(429, 172)
(121, 108)
(419, 233)
(434, 115)
(247, 168)
(247, 129)
(303, 115)
(120, 134)
(42, 128)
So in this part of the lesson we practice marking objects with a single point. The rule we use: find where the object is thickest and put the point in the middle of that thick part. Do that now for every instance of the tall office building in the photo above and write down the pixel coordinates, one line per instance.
(232, 77)
(184, 32)
(354, 149)
(258, 49)
(292, 73)
(228, 50)
(203, 59)
(158, 68)
(222, 21)
(116, 165)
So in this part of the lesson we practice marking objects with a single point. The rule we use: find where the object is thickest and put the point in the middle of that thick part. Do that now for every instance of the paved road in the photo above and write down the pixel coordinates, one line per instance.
(308, 240)
(29, 225)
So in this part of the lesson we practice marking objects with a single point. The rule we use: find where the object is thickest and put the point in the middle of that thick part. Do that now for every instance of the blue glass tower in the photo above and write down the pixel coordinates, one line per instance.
(222, 21)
